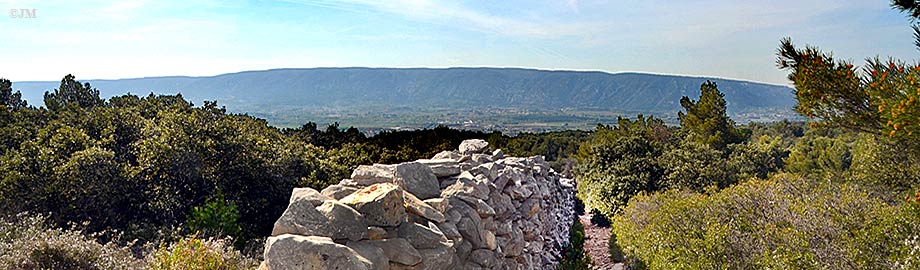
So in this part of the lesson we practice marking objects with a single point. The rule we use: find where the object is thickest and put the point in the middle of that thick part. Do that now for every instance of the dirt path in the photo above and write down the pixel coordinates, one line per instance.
(596, 244)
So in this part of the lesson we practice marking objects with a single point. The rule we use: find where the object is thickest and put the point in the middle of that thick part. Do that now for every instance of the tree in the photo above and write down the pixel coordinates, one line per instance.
(706, 120)
(620, 162)
(880, 98)
(12, 101)
(72, 92)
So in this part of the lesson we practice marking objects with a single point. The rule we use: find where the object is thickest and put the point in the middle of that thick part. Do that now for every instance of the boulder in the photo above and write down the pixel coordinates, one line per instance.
(343, 221)
(483, 257)
(372, 253)
(418, 179)
(296, 252)
(498, 154)
(381, 204)
(422, 209)
(439, 204)
(309, 194)
(438, 258)
(446, 155)
(422, 237)
(465, 187)
(366, 175)
(301, 218)
(376, 233)
(338, 191)
(397, 250)
(474, 146)
(442, 167)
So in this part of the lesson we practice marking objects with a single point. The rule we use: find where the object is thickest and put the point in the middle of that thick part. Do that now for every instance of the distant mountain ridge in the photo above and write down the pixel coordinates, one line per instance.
(460, 88)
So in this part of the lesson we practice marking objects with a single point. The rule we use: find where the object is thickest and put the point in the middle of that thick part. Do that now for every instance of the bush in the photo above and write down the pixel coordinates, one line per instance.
(193, 253)
(574, 256)
(599, 219)
(217, 217)
(27, 242)
(782, 223)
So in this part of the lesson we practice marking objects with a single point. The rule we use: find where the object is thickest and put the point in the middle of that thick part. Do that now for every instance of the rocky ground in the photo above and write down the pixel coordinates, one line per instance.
(596, 245)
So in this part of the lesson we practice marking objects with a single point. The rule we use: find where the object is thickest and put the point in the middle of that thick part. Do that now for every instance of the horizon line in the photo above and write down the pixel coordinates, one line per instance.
(436, 68)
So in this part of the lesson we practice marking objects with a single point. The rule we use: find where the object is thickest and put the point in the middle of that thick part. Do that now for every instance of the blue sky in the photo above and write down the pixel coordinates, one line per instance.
(722, 38)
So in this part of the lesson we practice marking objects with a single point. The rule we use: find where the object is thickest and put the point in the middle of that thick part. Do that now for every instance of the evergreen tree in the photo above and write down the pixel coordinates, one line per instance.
(72, 91)
(706, 120)
(8, 98)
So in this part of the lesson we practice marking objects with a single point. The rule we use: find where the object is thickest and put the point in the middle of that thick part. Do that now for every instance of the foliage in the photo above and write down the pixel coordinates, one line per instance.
(218, 217)
(758, 158)
(72, 93)
(706, 120)
(695, 166)
(820, 156)
(27, 242)
(616, 167)
(786, 222)
(599, 219)
(889, 167)
(9, 99)
(881, 98)
(194, 253)
(574, 255)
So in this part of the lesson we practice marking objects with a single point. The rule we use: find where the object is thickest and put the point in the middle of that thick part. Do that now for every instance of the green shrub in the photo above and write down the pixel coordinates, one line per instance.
(193, 253)
(27, 242)
(574, 256)
(217, 217)
(599, 219)
(782, 223)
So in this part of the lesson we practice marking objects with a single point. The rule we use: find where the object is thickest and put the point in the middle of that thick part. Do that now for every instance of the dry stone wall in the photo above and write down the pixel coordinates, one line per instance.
(468, 209)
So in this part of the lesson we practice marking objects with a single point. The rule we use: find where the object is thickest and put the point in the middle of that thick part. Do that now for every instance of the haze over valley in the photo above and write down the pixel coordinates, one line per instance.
(510, 99)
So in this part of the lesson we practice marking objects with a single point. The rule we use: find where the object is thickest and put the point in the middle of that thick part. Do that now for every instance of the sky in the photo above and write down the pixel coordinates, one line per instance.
(719, 38)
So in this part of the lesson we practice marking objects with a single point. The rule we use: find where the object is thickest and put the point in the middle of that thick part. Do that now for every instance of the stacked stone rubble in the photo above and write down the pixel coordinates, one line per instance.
(466, 209)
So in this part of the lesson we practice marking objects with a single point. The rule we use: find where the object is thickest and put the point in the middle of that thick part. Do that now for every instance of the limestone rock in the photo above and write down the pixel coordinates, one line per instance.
(474, 146)
(301, 218)
(338, 191)
(422, 209)
(438, 258)
(498, 154)
(378, 173)
(376, 233)
(398, 250)
(472, 209)
(465, 187)
(484, 258)
(297, 252)
(439, 204)
(309, 194)
(343, 221)
(422, 237)
(446, 155)
(372, 253)
(381, 204)
(442, 167)
(418, 179)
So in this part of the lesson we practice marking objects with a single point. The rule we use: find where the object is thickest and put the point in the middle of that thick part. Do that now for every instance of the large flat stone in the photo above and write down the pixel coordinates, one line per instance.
(296, 252)
(418, 179)
(381, 204)
(422, 209)
(343, 221)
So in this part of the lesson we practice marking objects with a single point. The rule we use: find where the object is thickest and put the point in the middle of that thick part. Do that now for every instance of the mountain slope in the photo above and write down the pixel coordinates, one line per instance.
(451, 88)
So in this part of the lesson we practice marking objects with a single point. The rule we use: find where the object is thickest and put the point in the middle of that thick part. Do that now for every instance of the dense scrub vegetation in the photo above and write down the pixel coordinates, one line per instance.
(134, 170)
(155, 181)
(835, 194)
